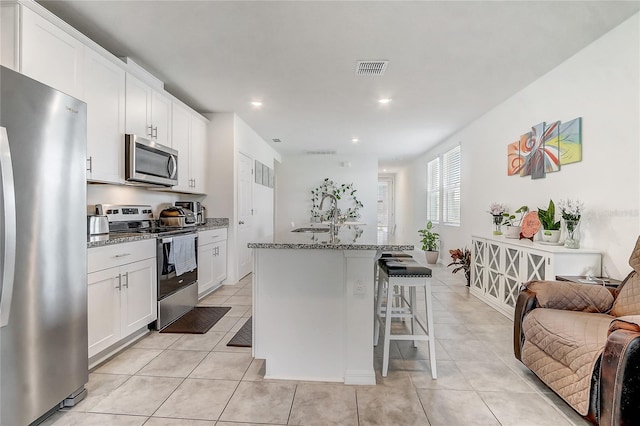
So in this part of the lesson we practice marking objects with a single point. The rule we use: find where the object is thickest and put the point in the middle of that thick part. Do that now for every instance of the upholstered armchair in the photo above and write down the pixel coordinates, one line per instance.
(583, 341)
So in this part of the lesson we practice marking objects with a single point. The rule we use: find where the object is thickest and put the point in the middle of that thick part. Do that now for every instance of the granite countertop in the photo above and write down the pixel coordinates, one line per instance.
(350, 237)
(126, 237)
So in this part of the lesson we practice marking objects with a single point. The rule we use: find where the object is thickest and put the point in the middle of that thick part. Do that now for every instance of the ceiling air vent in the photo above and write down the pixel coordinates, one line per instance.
(371, 67)
(321, 152)
(276, 140)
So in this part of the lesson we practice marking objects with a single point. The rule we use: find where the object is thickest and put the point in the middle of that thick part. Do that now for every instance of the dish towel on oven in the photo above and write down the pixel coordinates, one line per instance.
(183, 253)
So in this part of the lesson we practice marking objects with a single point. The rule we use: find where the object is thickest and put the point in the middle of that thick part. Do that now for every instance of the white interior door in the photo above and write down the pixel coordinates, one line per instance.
(245, 212)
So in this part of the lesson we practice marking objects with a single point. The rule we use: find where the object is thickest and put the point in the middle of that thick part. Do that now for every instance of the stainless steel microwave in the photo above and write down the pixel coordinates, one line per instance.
(149, 162)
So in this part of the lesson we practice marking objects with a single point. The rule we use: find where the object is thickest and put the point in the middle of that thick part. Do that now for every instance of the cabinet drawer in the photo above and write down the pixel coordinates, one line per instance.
(100, 258)
(212, 236)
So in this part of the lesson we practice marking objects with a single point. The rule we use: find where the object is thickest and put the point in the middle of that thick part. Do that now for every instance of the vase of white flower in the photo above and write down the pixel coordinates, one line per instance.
(497, 210)
(571, 211)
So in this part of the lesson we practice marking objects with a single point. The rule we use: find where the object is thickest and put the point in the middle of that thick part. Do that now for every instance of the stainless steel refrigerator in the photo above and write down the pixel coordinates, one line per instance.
(43, 249)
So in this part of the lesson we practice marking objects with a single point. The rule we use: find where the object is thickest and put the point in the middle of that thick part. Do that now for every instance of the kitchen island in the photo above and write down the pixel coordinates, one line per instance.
(313, 304)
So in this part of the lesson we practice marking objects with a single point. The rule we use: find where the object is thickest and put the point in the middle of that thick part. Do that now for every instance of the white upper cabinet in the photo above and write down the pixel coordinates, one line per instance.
(199, 152)
(104, 93)
(181, 134)
(50, 55)
(148, 112)
(189, 133)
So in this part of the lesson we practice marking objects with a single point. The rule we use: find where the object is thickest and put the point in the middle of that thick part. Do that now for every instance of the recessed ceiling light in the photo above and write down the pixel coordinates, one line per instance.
(384, 100)
(384, 170)
(355, 140)
(256, 103)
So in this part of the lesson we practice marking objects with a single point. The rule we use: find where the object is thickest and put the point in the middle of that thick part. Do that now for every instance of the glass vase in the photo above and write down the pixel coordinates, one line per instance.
(497, 224)
(572, 234)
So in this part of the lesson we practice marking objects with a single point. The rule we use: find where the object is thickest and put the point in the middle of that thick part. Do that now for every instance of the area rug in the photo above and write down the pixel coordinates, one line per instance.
(242, 338)
(197, 321)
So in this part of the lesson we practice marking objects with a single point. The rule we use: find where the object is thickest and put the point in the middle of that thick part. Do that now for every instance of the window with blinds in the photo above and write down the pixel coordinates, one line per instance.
(451, 186)
(433, 190)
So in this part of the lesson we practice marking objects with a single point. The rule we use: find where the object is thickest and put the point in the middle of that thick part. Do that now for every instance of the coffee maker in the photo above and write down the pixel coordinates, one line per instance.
(196, 207)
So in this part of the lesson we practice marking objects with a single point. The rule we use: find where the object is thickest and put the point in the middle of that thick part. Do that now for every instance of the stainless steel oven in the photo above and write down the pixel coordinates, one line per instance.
(149, 162)
(177, 275)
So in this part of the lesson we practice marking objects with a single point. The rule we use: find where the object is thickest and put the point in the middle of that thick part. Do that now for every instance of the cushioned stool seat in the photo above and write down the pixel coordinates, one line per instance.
(401, 273)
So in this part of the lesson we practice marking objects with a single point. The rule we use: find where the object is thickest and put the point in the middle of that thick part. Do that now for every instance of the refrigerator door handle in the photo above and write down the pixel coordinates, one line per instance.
(8, 231)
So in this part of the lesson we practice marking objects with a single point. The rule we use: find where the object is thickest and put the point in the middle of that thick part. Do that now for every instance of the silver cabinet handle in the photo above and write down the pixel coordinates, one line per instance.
(241, 223)
(126, 280)
(122, 255)
(119, 286)
(155, 134)
(150, 133)
(8, 227)
(90, 161)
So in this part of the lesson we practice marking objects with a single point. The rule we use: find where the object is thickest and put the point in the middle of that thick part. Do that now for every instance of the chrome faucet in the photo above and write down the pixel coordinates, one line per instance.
(334, 217)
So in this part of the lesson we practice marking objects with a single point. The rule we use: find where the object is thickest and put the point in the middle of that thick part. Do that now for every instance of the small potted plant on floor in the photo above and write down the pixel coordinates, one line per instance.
(430, 241)
(512, 224)
(462, 260)
(551, 228)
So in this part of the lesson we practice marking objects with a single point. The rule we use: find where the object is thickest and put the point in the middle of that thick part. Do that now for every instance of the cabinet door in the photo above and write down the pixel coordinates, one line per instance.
(103, 309)
(138, 107)
(219, 262)
(139, 295)
(104, 93)
(494, 270)
(50, 55)
(198, 152)
(535, 266)
(181, 134)
(511, 276)
(205, 268)
(161, 118)
(477, 264)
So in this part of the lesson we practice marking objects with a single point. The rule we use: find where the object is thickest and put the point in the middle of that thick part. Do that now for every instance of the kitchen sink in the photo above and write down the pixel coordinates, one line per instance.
(313, 230)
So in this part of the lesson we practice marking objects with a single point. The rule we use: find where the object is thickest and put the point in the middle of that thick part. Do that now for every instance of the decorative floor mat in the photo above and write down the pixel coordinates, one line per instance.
(198, 320)
(243, 336)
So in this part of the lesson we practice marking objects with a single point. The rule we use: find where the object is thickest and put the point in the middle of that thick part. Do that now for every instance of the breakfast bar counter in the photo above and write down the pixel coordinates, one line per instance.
(313, 303)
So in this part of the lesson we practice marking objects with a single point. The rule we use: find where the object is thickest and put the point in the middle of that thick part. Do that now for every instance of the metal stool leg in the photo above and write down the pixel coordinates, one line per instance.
(387, 331)
(430, 327)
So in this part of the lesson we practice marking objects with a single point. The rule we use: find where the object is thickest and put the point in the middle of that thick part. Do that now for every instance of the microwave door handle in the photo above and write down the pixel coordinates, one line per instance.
(8, 204)
(172, 166)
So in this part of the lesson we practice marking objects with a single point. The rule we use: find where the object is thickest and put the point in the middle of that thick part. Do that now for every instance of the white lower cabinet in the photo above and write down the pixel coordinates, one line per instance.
(122, 292)
(212, 260)
(499, 267)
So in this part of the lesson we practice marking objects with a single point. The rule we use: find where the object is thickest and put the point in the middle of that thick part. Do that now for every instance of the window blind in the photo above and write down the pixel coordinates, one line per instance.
(451, 186)
(433, 190)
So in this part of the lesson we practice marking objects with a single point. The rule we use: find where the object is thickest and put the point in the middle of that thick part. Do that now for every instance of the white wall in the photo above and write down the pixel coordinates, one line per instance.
(601, 84)
(299, 174)
(120, 194)
(228, 137)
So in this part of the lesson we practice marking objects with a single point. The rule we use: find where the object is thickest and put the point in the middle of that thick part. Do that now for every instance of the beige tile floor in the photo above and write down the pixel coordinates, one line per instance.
(196, 380)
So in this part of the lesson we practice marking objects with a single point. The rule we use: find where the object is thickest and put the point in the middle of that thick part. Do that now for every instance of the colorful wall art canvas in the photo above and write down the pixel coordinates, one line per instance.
(514, 160)
(551, 148)
(570, 141)
(545, 148)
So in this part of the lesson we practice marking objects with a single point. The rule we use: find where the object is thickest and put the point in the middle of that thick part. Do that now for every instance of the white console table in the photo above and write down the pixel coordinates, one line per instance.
(499, 267)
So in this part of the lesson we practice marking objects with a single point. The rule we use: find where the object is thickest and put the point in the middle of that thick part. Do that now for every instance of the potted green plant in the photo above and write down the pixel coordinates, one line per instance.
(512, 223)
(551, 227)
(430, 241)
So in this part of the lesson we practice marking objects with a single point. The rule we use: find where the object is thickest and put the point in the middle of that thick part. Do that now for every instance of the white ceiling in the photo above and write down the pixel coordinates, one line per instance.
(449, 61)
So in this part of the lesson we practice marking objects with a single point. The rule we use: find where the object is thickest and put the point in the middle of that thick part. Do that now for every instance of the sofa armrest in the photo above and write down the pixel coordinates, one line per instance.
(571, 296)
(525, 303)
(620, 373)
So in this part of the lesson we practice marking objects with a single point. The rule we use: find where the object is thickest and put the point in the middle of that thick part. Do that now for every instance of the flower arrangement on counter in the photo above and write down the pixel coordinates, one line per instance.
(571, 209)
(497, 210)
(462, 260)
(571, 212)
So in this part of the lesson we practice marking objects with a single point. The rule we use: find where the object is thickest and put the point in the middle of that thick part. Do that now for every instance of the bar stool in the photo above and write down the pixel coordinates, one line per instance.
(404, 273)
